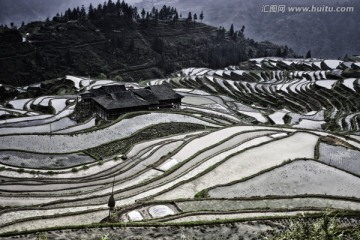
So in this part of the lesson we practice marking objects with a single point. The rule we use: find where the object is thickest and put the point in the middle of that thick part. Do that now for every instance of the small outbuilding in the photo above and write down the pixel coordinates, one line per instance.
(166, 96)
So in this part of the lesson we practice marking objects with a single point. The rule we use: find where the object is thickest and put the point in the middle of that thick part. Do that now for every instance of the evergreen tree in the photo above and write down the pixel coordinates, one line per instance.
(111, 203)
(73, 14)
(91, 12)
(308, 54)
(232, 32)
(242, 30)
(285, 52)
(67, 14)
(176, 17)
(156, 17)
(78, 13)
(135, 12)
(195, 17)
(153, 11)
(82, 12)
(118, 5)
(201, 16)
(164, 12)
(105, 8)
(99, 7)
(189, 17)
(143, 13)
(110, 6)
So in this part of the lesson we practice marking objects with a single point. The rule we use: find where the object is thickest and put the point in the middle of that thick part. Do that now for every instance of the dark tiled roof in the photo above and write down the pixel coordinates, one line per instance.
(107, 89)
(86, 95)
(147, 95)
(97, 92)
(164, 92)
(118, 100)
(113, 88)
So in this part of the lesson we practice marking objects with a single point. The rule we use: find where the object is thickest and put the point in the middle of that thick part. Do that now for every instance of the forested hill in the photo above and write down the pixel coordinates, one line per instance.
(117, 41)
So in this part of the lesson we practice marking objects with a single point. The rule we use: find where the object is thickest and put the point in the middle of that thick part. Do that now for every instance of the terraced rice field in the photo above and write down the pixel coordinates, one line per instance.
(296, 178)
(247, 143)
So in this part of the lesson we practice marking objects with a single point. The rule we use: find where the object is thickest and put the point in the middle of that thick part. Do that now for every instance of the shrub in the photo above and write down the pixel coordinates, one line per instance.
(74, 170)
(21, 170)
(118, 78)
(287, 119)
(105, 237)
(42, 236)
(85, 167)
(202, 194)
(101, 76)
(299, 229)
(356, 234)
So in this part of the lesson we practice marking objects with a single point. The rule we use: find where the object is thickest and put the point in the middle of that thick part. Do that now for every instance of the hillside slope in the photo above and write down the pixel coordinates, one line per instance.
(327, 35)
(324, 34)
(123, 49)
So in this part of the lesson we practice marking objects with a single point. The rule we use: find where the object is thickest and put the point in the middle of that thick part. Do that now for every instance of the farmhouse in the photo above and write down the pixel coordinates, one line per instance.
(109, 102)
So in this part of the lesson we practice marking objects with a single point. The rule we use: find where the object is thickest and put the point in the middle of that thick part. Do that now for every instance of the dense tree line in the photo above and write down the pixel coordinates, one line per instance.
(94, 13)
(282, 52)
(122, 9)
